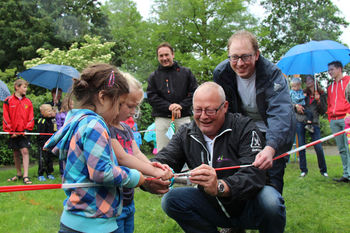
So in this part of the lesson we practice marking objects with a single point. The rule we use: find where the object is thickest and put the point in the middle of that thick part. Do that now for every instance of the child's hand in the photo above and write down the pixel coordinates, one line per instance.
(163, 174)
(161, 166)
(142, 179)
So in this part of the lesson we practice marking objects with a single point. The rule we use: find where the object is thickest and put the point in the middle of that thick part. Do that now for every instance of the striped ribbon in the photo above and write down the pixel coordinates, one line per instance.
(178, 176)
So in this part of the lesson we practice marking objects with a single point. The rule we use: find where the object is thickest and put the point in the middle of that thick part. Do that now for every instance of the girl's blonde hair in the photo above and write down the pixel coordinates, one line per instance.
(133, 83)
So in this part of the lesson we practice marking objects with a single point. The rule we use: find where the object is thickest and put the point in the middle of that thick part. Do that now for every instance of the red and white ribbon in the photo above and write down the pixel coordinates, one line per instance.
(27, 133)
(16, 188)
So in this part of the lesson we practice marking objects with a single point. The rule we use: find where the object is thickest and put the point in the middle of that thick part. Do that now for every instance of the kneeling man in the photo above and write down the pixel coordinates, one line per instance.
(233, 198)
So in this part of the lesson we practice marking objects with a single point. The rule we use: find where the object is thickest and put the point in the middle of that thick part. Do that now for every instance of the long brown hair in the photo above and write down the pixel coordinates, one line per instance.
(96, 78)
(319, 88)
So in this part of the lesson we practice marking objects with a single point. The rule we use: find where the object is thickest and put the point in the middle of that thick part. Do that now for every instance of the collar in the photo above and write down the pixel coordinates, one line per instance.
(175, 66)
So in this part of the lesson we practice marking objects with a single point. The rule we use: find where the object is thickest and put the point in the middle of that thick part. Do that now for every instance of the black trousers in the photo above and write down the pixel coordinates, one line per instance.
(45, 162)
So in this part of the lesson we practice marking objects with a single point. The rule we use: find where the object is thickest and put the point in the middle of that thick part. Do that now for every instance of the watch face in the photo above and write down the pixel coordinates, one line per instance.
(221, 187)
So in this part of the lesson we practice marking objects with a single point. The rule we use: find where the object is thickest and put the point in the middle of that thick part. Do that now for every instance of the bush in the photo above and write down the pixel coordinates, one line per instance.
(143, 121)
(326, 130)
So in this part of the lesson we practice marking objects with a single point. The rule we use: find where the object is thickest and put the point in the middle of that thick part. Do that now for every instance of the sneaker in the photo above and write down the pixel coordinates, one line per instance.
(309, 128)
(303, 174)
(342, 179)
(41, 178)
(325, 174)
(50, 177)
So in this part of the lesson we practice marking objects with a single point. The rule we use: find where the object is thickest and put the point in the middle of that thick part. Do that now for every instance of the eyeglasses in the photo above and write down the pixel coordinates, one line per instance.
(245, 58)
(208, 112)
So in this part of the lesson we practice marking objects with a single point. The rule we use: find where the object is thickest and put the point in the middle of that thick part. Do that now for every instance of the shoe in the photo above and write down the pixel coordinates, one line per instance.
(50, 177)
(15, 178)
(309, 128)
(41, 178)
(342, 179)
(26, 180)
(325, 174)
(303, 174)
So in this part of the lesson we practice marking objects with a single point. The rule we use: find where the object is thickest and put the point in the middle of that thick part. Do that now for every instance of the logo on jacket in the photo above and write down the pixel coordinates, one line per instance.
(221, 159)
(276, 86)
(256, 142)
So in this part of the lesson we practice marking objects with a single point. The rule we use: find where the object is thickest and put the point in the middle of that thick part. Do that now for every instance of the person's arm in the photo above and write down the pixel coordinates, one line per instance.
(30, 119)
(244, 183)
(7, 123)
(100, 160)
(173, 156)
(321, 104)
(137, 153)
(280, 121)
(143, 165)
(155, 99)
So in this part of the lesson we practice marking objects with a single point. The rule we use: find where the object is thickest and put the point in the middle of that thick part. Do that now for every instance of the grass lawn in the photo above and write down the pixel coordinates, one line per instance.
(314, 204)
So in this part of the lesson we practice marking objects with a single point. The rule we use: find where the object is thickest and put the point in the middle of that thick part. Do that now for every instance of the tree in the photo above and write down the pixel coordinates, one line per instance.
(26, 26)
(23, 30)
(134, 49)
(79, 55)
(292, 22)
(199, 30)
(72, 19)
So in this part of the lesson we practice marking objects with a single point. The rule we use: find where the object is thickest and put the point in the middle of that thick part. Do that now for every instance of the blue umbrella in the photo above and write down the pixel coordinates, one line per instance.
(4, 91)
(51, 76)
(313, 57)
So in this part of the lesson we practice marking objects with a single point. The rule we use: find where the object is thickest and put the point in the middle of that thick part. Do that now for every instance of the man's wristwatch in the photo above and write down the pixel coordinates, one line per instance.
(221, 187)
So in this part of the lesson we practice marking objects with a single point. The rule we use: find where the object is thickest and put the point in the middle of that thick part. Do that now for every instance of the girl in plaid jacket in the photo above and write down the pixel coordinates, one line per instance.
(84, 141)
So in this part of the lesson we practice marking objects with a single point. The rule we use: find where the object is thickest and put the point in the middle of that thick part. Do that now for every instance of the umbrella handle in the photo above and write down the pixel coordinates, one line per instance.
(315, 84)
(172, 117)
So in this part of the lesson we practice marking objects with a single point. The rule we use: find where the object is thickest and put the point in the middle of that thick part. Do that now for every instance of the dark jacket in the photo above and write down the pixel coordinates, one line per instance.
(237, 143)
(272, 98)
(168, 85)
(46, 125)
(315, 108)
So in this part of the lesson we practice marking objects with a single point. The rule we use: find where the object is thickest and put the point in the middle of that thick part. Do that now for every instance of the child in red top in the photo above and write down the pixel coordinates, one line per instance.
(18, 116)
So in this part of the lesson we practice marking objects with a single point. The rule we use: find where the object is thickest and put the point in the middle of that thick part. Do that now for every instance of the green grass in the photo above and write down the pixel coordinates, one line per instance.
(314, 204)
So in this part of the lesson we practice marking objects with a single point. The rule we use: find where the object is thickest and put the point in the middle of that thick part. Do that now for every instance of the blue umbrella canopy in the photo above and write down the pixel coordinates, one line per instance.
(4, 91)
(51, 76)
(313, 57)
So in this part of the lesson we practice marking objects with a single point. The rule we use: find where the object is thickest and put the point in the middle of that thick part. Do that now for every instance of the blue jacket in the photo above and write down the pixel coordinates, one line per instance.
(272, 98)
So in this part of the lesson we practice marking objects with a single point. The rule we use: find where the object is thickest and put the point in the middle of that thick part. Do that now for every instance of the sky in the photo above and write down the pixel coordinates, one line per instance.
(144, 7)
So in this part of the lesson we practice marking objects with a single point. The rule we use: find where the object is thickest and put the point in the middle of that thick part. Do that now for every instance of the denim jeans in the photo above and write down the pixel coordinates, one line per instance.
(65, 229)
(190, 208)
(342, 144)
(318, 147)
(126, 219)
(276, 173)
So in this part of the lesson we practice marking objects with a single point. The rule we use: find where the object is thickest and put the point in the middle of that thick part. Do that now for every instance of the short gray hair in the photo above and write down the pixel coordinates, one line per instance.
(213, 85)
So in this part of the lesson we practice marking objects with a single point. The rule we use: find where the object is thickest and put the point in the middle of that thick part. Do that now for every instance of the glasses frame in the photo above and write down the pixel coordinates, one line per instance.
(244, 58)
(206, 111)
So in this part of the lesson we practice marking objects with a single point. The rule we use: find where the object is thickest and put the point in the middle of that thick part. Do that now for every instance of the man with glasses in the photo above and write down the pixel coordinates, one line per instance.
(232, 198)
(170, 89)
(337, 109)
(256, 88)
